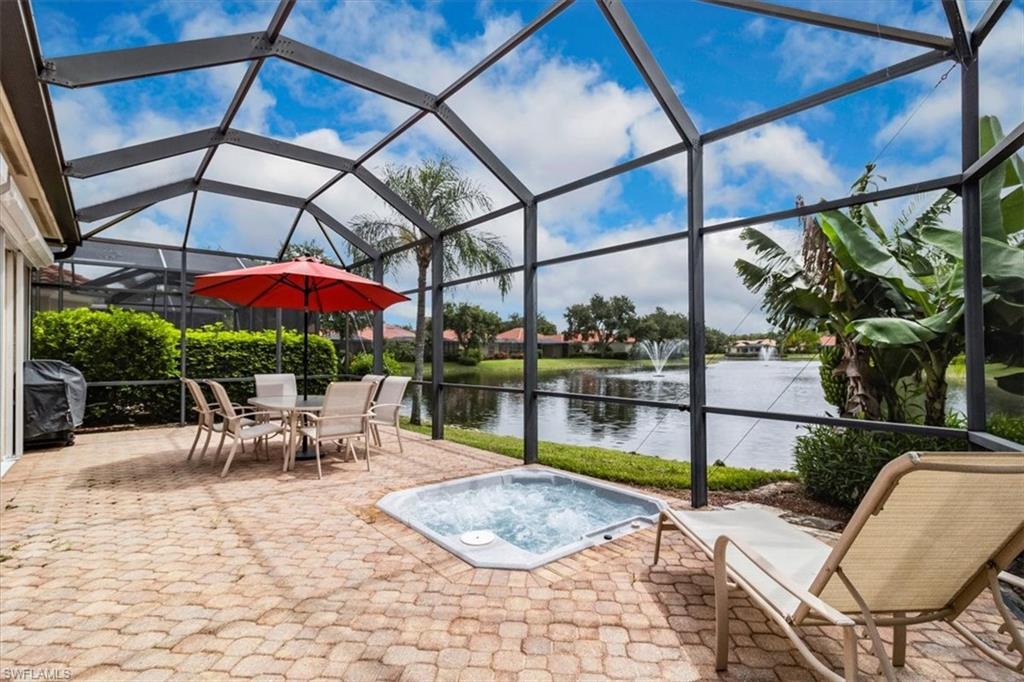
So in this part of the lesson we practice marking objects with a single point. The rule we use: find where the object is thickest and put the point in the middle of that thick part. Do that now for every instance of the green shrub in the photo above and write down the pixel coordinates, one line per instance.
(838, 465)
(123, 345)
(1009, 426)
(114, 345)
(220, 353)
(470, 358)
(402, 351)
(363, 364)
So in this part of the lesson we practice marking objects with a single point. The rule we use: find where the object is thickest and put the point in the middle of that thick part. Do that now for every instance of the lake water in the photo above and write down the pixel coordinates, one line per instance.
(789, 386)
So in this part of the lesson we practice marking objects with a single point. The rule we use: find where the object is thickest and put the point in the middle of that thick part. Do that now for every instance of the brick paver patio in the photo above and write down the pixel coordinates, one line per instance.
(121, 561)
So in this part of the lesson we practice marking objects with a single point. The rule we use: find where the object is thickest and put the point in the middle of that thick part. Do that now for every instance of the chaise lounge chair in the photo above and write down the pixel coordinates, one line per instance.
(932, 532)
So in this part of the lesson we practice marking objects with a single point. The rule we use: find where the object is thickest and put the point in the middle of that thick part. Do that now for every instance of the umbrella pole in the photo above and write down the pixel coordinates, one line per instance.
(305, 346)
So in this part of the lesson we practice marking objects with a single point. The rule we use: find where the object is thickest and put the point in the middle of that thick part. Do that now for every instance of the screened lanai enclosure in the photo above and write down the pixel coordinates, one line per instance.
(921, 87)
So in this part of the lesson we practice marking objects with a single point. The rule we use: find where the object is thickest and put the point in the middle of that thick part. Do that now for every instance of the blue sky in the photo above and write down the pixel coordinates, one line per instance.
(567, 103)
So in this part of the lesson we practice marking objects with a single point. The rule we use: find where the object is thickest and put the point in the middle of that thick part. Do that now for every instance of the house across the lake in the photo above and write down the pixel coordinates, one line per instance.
(752, 348)
(510, 343)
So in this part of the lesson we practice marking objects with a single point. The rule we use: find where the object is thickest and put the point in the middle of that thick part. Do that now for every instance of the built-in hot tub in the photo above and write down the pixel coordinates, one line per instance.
(521, 518)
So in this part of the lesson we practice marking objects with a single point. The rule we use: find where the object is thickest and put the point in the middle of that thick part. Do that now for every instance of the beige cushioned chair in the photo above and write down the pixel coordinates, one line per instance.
(387, 408)
(345, 416)
(932, 532)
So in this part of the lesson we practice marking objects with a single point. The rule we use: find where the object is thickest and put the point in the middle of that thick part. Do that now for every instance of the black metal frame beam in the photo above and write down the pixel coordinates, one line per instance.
(277, 21)
(1000, 152)
(970, 206)
(110, 223)
(958, 28)
(695, 331)
(950, 182)
(130, 202)
(99, 68)
(618, 17)
(531, 429)
(336, 225)
(865, 28)
(987, 22)
(85, 70)
(862, 424)
(885, 75)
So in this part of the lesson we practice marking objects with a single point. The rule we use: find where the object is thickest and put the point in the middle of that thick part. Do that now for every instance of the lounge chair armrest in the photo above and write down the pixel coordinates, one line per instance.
(769, 569)
(1011, 579)
(377, 405)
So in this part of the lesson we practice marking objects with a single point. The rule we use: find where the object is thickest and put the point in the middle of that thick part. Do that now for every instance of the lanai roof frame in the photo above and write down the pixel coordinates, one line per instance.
(960, 47)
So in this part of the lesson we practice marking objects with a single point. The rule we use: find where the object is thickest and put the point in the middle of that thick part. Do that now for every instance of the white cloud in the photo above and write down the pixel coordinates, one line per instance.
(776, 156)
(551, 119)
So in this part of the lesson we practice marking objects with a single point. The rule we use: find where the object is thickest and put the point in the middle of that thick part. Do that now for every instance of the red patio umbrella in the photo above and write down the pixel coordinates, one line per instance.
(302, 284)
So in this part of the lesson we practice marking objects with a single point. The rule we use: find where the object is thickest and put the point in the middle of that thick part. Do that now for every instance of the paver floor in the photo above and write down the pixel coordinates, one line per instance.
(122, 561)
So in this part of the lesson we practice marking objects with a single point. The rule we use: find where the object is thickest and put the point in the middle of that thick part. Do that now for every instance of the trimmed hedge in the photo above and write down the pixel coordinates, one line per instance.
(121, 345)
(213, 352)
(362, 364)
(838, 465)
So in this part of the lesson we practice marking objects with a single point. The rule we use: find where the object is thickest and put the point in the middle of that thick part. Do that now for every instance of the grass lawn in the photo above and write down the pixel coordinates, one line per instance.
(513, 368)
(611, 465)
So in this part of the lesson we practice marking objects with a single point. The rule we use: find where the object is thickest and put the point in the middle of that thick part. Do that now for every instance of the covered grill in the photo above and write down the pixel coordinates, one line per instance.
(54, 402)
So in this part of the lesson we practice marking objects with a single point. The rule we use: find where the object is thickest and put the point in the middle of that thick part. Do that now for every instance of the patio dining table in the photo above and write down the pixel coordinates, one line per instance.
(292, 406)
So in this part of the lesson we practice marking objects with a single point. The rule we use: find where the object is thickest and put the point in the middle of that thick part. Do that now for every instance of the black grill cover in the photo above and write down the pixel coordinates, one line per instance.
(54, 400)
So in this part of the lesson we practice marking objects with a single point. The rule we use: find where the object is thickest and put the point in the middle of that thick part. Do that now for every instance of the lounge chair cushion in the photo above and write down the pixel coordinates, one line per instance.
(793, 552)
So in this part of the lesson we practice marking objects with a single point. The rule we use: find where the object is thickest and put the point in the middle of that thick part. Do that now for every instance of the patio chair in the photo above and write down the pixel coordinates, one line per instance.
(207, 420)
(345, 416)
(387, 408)
(275, 385)
(932, 532)
(377, 380)
(241, 427)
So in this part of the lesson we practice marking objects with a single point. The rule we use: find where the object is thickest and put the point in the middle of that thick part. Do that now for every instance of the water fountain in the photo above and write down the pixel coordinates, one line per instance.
(768, 353)
(659, 352)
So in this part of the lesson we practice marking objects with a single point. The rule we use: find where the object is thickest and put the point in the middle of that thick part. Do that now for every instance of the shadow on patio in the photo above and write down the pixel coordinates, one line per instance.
(123, 561)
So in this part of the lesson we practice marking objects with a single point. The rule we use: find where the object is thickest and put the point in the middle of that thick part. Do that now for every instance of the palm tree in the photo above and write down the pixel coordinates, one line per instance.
(894, 298)
(439, 191)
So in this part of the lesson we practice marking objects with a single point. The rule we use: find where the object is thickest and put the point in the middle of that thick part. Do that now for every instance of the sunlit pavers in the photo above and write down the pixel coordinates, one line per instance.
(122, 561)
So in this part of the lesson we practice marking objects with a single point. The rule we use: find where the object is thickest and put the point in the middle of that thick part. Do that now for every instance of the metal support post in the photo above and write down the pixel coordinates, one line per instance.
(437, 338)
(974, 323)
(378, 322)
(698, 393)
(530, 333)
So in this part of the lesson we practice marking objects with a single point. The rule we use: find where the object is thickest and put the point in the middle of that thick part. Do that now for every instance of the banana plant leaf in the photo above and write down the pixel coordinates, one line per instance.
(891, 331)
(1013, 211)
(1001, 215)
(896, 331)
(1000, 261)
(855, 250)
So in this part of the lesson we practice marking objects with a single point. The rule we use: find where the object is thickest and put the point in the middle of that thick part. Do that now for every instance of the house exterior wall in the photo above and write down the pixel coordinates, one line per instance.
(23, 247)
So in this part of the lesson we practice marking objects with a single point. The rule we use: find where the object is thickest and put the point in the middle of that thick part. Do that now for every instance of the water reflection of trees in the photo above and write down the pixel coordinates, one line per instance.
(485, 409)
(472, 408)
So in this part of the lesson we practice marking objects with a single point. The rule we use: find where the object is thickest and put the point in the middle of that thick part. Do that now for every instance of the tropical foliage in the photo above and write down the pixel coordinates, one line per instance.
(473, 326)
(605, 319)
(439, 191)
(894, 297)
(544, 325)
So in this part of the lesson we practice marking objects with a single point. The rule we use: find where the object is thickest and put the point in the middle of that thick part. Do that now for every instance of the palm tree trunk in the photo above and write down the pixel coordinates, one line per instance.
(420, 343)
(861, 401)
(935, 389)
